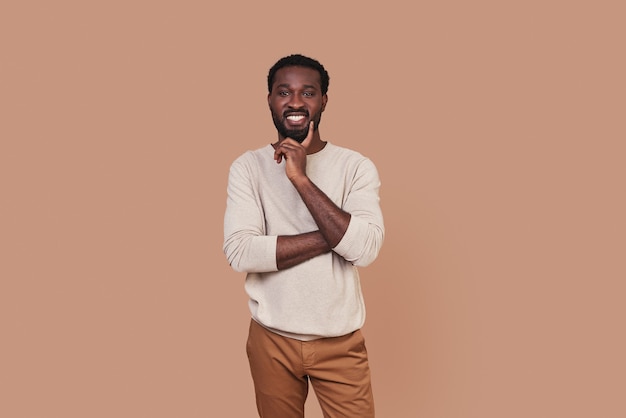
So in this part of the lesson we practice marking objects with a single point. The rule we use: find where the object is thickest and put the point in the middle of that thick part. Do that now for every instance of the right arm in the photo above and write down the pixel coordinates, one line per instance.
(295, 249)
(246, 245)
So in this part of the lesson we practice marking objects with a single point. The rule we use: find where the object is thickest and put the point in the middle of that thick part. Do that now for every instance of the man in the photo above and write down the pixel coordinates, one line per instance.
(301, 214)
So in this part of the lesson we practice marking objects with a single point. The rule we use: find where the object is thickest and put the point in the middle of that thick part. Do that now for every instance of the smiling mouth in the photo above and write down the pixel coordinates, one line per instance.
(296, 118)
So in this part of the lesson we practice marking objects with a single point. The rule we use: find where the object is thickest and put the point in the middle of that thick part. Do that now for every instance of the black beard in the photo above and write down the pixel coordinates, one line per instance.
(298, 135)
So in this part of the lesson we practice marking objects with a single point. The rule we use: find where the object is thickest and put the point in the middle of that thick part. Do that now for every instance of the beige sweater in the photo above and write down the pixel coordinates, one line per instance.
(322, 296)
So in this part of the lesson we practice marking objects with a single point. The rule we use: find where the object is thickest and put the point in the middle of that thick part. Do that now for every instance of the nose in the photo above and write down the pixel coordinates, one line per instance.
(295, 101)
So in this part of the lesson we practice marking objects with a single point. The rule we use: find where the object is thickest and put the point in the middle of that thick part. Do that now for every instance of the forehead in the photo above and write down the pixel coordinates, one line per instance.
(297, 77)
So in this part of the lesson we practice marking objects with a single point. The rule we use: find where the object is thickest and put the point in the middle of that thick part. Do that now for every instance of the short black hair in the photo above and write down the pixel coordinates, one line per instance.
(297, 60)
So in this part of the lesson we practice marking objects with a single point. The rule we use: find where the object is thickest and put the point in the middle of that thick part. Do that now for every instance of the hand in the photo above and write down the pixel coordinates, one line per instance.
(294, 154)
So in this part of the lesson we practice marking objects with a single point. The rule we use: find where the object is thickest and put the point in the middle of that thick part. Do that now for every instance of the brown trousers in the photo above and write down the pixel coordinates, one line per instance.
(337, 367)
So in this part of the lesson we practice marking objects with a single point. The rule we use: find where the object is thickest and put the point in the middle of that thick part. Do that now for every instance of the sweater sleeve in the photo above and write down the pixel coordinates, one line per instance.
(364, 237)
(246, 246)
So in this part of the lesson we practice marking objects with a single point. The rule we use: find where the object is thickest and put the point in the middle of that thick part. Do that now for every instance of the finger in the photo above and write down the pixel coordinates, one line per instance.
(309, 136)
(287, 146)
(278, 155)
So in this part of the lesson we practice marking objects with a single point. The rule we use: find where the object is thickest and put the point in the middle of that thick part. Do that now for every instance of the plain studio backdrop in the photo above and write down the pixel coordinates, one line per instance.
(498, 131)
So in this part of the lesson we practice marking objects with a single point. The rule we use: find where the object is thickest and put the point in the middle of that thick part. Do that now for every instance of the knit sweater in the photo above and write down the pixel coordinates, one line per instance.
(320, 297)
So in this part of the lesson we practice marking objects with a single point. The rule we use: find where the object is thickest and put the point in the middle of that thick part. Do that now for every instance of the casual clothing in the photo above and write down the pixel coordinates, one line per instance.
(337, 367)
(306, 319)
(322, 296)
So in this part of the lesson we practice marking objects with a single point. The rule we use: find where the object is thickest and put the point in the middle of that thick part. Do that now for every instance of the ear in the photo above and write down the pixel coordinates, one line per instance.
(268, 98)
(324, 101)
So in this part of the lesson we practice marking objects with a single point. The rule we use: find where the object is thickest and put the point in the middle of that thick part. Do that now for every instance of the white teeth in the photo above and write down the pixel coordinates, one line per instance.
(295, 117)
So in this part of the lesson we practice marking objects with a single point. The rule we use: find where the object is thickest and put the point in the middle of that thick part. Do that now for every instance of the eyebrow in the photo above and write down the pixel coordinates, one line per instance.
(305, 86)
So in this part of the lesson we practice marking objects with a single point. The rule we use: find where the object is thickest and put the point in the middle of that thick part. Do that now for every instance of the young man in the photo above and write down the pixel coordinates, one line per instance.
(301, 215)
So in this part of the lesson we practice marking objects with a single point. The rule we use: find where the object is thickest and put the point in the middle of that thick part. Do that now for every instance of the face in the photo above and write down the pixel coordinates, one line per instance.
(296, 100)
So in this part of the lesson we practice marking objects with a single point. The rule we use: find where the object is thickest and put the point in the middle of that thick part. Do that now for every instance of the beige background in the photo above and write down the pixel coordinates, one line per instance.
(498, 131)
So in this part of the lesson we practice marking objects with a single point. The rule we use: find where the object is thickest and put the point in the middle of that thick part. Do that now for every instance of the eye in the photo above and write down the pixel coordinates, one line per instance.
(283, 93)
(308, 94)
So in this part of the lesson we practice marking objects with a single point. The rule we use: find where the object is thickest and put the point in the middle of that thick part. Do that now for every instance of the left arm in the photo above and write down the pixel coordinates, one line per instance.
(331, 220)
(354, 231)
